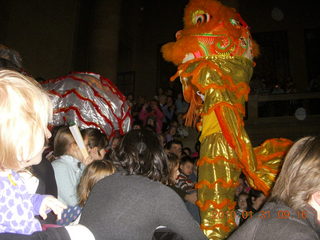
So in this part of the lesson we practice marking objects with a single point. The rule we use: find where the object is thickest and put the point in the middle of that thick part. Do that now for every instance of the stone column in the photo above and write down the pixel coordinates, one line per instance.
(103, 42)
(297, 58)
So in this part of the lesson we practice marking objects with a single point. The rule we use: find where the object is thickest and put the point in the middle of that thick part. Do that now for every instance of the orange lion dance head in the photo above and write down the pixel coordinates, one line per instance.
(210, 28)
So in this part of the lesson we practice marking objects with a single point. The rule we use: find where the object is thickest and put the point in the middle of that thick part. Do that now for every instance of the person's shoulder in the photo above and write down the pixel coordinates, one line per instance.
(274, 221)
(129, 180)
(291, 222)
(64, 160)
(169, 193)
(58, 163)
(61, 164)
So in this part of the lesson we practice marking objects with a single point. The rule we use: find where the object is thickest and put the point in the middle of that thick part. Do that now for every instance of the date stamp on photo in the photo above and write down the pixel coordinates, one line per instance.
(280, 214)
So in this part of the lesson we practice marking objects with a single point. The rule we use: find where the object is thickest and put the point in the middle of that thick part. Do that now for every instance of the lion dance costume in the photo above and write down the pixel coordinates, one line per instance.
(214, 53)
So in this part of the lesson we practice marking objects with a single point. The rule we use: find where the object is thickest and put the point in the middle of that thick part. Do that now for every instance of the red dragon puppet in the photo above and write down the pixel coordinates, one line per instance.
(214, 54)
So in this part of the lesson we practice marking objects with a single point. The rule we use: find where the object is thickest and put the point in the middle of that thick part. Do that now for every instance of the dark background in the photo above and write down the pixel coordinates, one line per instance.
(121, 39)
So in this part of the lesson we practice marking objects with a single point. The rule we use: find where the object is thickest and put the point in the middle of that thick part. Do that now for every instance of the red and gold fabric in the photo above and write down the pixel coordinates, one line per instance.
(214, 53)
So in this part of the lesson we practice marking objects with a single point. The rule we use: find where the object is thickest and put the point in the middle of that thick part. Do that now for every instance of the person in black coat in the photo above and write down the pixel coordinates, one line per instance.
(134, 202)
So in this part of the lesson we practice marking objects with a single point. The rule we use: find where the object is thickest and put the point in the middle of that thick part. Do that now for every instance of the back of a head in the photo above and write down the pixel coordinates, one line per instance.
(25, 109)
(93, 173)
(140, 153)
(62, 141)
(172, 160)
(255, 193)
(6, 64)
(95, 138)
(300, 174)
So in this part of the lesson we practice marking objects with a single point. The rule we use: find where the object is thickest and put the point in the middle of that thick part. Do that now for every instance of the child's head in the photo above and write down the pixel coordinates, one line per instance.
(162, 139)
(242, 185)
(186, 165)
(174, 146)
(94, 172)
(64, 144)
(173, 167)
(25, 109)
(186, 151)
(172, 130)
(257, 198)
(115, 141)
(137, 124)
(96, 142)
(242, 202)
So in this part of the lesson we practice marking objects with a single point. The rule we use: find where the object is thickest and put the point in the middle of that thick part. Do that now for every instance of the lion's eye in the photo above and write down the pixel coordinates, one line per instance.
(234, 22)
(202, 18)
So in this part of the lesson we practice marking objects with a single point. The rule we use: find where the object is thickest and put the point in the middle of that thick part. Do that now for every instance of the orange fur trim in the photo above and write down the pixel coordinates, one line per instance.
(225, 184)
(225, 126)
(205, 159)
(280, 142)
(257, 181)
(191, 117)
(226, 202)
(240, 90)
(263, 158)
(255, 49)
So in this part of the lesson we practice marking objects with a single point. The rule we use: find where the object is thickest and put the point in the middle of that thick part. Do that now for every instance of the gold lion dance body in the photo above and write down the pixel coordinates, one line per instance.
(214, 55)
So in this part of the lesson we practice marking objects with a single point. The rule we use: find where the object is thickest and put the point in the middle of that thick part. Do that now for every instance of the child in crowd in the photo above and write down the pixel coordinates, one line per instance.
(151, 124)
(194, 175)
(94, 172)
(25, 110)
(152, 109)
(182, 130)
(258, 199)
(171, 133)
(188, 197)
(96, 142)
(174, 146)
(68, 166)
(243, 186)
(186, 169)
(162, 139)
(173, 169)
(137, 124)
(113, 144)
(242, 208)
(186, 151)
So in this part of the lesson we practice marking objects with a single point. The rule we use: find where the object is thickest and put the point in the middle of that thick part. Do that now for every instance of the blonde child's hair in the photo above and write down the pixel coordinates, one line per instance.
(25, 110)
(94, 172)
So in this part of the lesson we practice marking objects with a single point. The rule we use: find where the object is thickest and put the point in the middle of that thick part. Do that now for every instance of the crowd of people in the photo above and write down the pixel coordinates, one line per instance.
(141, 185)
(133, 200)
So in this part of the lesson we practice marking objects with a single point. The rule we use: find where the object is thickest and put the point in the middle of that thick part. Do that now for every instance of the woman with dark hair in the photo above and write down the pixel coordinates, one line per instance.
(133, 203)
